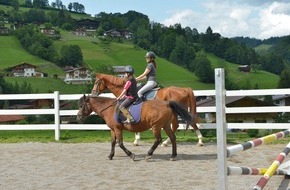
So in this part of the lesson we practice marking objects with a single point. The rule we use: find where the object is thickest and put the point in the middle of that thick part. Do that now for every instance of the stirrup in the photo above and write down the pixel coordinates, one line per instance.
(126, 122)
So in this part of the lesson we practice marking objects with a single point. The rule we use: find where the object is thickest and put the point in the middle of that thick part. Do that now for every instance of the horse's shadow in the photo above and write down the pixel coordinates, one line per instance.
(161, 157)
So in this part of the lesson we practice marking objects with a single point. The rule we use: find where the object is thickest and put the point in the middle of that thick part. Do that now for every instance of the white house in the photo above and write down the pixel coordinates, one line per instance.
(281, 100)
(26, 70)
(79, 75)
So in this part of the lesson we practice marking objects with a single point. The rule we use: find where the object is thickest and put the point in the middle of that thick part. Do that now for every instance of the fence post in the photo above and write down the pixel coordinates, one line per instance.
(56, 116)
(221, 128)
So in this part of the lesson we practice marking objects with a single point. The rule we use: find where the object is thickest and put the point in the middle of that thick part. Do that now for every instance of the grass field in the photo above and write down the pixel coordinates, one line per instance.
(96, 52)
(77, 136)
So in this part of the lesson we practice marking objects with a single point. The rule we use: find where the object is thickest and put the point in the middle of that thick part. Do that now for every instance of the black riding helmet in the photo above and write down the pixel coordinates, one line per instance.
(150, 54)
(129, 69)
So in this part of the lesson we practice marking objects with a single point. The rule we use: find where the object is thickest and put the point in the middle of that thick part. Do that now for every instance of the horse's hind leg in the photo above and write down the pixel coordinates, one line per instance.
(172, 137)
(137, 139)
(158, 140)
(198, 134)
(174, 123)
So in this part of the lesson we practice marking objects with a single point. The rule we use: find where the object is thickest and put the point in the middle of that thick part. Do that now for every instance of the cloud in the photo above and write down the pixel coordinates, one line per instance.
(274, 20)
(262, 19)
(184, 17)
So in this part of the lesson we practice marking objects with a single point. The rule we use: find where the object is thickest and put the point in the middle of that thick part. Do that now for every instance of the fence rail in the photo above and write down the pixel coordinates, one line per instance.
(57, 126)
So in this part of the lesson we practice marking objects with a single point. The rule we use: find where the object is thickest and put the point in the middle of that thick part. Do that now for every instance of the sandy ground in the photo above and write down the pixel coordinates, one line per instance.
(26, 166)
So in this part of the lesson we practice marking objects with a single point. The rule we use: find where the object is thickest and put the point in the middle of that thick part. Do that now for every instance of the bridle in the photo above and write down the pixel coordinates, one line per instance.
(83, 109)
(98, 84)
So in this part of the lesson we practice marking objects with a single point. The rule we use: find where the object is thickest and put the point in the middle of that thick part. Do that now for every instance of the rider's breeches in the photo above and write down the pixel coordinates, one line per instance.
(148, 86)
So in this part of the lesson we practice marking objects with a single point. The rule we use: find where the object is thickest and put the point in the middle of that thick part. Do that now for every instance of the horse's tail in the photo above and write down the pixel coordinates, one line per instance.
(192, 105)
(180, 111)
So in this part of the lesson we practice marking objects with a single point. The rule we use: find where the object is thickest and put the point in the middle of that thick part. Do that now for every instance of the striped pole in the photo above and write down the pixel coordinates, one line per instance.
(235, 170)
(256, 142)
(271, 170)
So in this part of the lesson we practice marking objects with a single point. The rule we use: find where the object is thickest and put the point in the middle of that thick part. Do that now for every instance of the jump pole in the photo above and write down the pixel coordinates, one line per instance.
(235, 170)
(256, 142)
(271, 170)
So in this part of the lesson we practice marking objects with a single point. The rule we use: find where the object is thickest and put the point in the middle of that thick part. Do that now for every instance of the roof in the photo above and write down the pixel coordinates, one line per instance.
(76, 69)
(235, 101)
(20, 106)
(7, 118)
(24, 65)
(279, 97)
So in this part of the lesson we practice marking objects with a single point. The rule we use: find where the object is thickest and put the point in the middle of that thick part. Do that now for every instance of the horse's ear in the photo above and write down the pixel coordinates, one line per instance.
(84, 96)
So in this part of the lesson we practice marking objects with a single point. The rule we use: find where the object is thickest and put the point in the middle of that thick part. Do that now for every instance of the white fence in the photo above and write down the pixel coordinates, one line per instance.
(57, 126)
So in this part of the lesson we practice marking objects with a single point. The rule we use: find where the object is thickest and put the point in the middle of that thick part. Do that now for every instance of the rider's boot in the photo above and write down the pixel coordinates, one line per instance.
(129, 119)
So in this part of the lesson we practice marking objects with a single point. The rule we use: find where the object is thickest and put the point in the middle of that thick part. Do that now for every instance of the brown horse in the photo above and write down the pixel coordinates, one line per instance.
(184, 96)
(154, 114)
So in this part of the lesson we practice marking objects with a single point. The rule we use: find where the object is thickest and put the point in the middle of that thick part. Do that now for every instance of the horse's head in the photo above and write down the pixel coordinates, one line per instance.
(85, 108)
(108, 82)
(100, 84)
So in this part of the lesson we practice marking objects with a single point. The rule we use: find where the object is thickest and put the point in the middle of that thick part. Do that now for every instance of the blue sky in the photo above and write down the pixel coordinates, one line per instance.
(260, 19)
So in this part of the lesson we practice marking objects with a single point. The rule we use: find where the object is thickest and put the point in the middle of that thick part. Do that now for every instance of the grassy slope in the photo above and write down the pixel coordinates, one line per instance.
(95, 53)
(262, 79)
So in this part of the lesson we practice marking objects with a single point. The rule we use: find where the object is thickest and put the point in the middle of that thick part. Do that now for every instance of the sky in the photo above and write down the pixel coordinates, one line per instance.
(260, 19)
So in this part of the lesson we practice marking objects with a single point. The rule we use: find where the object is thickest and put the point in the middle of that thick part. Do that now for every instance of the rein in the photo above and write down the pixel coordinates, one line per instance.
(108, 106)
(84, 106)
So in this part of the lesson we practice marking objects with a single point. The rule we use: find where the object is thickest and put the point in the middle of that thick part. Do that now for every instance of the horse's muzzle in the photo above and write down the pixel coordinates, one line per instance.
(80, 118)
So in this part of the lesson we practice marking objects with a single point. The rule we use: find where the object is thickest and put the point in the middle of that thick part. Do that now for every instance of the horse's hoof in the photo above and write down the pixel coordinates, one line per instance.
(110, 158)
(147, 158)
(164, 145)
(136, 143)
(133, 156)
(199, 144)
(172, 159)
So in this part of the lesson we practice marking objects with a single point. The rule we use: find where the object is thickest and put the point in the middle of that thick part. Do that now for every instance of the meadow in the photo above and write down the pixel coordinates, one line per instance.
(97, 52)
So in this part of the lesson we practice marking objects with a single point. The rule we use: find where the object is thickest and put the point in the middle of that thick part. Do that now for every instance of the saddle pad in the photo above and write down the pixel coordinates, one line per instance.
(134, 110)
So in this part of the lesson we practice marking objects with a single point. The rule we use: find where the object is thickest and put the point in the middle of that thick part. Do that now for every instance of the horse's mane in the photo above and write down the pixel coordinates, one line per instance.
(99, 98)
(111, 79)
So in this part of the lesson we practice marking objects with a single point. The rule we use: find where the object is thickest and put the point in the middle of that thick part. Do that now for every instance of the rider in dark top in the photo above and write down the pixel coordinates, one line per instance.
(129, 94)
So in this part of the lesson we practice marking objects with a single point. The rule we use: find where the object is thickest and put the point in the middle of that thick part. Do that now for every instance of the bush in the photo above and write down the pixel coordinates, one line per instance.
(253, 132)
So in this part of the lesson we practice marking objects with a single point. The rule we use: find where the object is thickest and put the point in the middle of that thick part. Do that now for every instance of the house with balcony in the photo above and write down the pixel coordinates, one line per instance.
(79, 75)
(26, 70)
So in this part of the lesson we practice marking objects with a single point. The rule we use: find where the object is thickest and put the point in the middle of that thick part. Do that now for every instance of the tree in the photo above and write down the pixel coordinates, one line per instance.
(284, 81)
(203, 68)
(70, 6)
(15, 4)
(71, 55)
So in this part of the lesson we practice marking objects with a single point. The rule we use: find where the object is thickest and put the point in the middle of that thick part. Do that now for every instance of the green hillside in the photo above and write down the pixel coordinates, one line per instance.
(96, 52)
(260, 79)
(263, 48)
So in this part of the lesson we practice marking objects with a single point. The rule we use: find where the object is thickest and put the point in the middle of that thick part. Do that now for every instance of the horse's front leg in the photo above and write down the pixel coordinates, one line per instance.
(113, 145)
(121, 145)
(128, 152)
(158, 140)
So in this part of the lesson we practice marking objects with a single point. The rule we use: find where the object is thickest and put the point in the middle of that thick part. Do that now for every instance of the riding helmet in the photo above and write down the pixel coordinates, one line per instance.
(129, 69)
(150, 54)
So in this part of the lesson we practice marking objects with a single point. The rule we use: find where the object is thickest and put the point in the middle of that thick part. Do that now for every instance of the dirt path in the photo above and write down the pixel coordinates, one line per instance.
(59, 166)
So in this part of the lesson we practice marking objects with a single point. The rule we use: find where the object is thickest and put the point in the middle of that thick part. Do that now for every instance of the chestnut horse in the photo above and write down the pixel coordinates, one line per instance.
(155, 114)
(184, 96)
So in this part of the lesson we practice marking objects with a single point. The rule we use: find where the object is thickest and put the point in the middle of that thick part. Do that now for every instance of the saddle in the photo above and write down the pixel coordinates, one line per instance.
(149, 95)
(134, 109)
